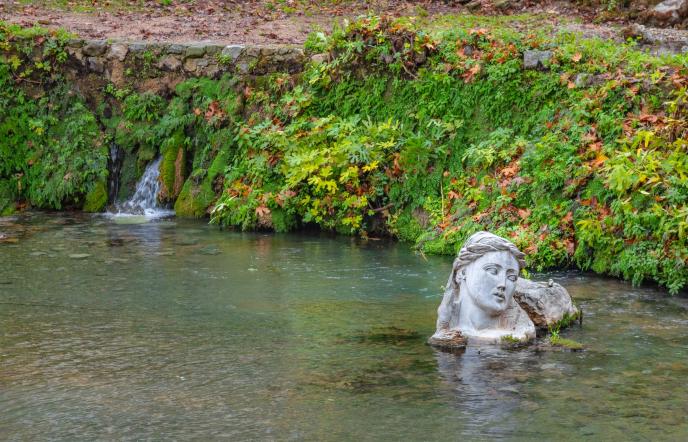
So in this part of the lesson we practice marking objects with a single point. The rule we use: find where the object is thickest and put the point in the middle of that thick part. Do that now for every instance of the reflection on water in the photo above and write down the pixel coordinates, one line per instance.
(176, 330)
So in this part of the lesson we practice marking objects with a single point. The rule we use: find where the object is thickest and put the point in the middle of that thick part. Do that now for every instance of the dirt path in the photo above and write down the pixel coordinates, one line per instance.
(222, 21)
(290, 21)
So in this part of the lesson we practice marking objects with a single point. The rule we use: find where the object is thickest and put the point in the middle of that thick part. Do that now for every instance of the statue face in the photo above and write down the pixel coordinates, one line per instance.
(490, 281)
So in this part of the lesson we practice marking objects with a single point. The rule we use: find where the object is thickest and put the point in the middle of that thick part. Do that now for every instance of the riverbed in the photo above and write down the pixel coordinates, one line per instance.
(174, 329)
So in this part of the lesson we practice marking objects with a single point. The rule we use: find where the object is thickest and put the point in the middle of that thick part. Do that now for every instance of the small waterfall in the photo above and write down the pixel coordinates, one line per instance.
(144, 202)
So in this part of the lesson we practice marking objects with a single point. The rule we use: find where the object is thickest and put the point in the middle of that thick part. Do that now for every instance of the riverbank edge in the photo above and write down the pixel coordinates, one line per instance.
(102, 65)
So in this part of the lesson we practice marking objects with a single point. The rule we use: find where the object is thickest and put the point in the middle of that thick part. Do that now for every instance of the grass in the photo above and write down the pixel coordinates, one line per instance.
(569, 344)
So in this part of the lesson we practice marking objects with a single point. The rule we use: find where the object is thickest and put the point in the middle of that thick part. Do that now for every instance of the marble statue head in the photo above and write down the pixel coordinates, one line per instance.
(487, 269)
(478, 300)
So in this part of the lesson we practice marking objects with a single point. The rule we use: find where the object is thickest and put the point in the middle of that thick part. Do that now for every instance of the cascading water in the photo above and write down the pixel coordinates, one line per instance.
(144, 202)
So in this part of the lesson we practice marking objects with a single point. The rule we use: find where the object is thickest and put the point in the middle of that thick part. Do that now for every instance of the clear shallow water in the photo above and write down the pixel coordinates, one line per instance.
(176, 330)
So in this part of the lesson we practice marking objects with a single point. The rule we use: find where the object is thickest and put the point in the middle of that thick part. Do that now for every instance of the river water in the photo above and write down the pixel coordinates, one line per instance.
(174, 329)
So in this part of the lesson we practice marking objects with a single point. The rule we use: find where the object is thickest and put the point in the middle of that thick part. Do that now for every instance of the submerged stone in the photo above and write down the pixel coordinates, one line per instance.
(450, 341)
(387, 335)
(210, 250)
(79, 255)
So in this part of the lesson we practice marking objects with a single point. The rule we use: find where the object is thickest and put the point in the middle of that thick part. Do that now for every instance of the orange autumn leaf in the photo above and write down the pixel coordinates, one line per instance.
(599, 160)
(576, 57)
(567, 218)
(478, 32)
(511, 170)
(469, 75)
(262, 211)
(570, 246)
(523, 213)
(595, 147)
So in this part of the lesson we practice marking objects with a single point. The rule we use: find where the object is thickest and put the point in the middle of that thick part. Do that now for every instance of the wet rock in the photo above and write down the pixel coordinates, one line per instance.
(319, 58)
(209, 250)
(451, 341)
(558, 345)
(213, 71)
(545, 302)
(504, 5)
(138, 46)
(190, 65)
(534, 59)
(668, 12)
(232, 52)
(474, 6)
(252, 51)
(186, 241)
(195, 50)
(213, 49)
(170, 63)
(95, 48)
(118, 51)
(165, 253)
(243, 67)
(387, 58)
(387, 335)
(96, 65)
(79, 255)
(658, 41)
(75, 43)
(175, 49)
(581, 80)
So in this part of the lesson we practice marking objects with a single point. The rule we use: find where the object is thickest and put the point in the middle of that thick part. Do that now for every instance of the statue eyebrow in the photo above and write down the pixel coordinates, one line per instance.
(492, 264)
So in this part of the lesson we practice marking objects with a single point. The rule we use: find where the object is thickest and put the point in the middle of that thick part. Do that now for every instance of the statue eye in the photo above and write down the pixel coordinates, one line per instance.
(491, 270)
(512, 278)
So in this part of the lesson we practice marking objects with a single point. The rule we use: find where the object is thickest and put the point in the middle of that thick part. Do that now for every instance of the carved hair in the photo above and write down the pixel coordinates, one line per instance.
(481, 243)
(476, 246)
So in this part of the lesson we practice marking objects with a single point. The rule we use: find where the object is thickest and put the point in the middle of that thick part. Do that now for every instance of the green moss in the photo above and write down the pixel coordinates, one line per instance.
(509, 339)
(282, 221)
(406, 227)
(566, 321)
(194, 200)
(96, 198)
(569, 344)
(172, 169)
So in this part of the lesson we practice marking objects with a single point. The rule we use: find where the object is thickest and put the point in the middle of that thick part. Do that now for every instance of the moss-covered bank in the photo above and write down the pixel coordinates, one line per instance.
(426, 137)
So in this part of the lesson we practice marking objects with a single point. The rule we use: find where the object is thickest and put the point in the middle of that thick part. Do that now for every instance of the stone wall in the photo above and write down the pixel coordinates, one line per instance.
(160, 66)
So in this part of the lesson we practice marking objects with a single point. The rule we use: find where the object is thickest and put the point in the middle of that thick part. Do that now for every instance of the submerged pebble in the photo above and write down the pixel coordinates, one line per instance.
(209, 250)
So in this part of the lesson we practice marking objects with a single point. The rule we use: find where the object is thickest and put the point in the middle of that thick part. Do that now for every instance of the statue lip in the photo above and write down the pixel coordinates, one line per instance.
(500, 295)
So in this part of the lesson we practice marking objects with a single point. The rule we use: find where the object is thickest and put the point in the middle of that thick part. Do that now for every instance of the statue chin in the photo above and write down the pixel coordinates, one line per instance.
(479, 325)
